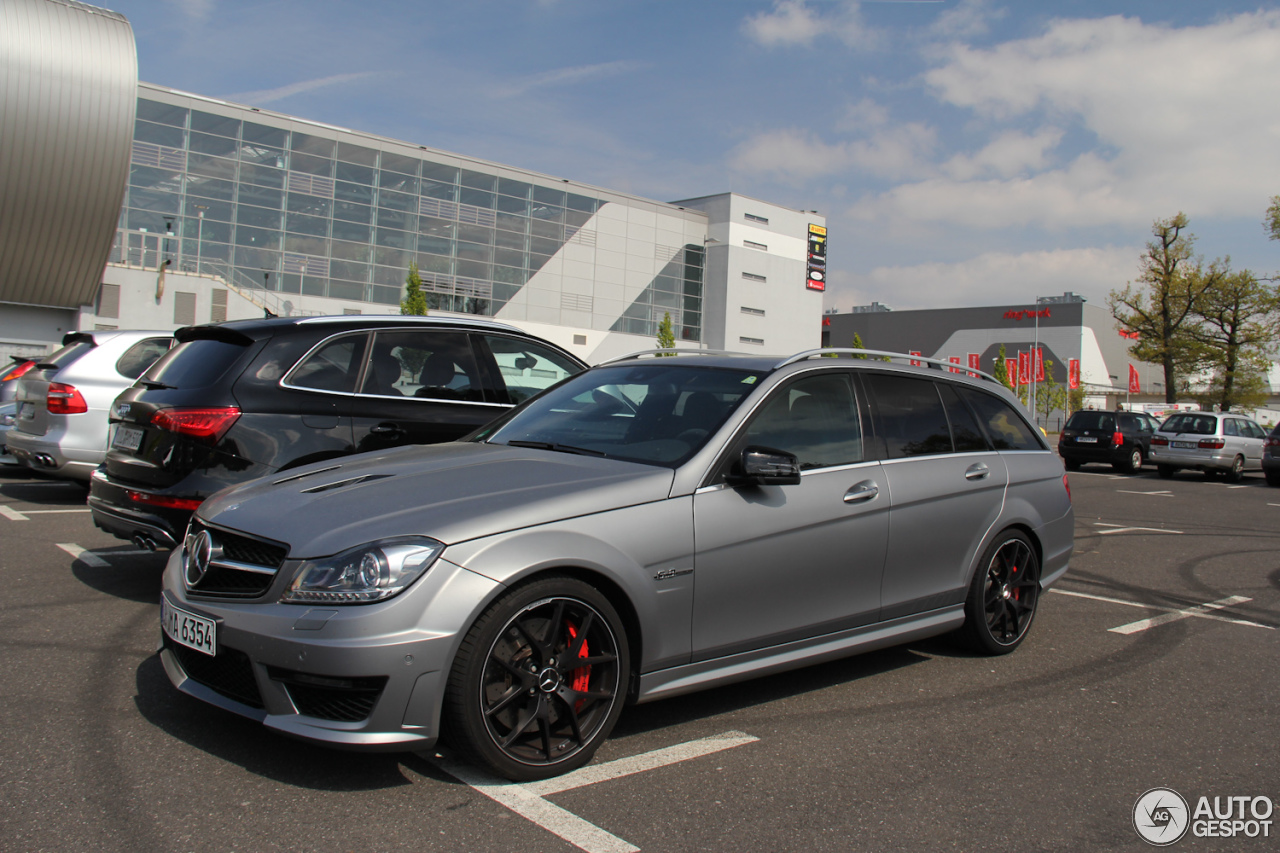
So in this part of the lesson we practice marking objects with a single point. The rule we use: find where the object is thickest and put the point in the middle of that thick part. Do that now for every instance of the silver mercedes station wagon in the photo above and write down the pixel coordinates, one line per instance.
(652, 526)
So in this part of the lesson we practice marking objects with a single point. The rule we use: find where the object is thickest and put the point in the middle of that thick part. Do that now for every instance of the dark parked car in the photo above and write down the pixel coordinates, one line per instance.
(234, 401)
(650, 527)
(1271, 457)
(1120, 439)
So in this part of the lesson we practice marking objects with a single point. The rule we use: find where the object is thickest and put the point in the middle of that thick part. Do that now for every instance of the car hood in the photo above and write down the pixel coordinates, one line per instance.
(450, 492)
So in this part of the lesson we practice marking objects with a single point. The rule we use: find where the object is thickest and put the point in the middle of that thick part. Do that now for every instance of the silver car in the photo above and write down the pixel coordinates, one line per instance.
(64, 402)
(647, 528)
(1215, 443)
(8, 414)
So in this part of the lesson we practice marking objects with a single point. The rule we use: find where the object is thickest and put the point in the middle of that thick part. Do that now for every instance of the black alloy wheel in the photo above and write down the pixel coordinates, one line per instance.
(540, 680)
(1003, 596)
(1235, 473)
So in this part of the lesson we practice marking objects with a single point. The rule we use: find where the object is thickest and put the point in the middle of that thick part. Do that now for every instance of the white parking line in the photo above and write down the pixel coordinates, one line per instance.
(87, 557)
(1173, 613)
(1120, 528)
(527, 800)
(1163, 493)
(14, 515)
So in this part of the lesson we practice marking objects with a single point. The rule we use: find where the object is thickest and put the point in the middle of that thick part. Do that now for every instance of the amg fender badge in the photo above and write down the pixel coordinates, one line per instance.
(668, 574)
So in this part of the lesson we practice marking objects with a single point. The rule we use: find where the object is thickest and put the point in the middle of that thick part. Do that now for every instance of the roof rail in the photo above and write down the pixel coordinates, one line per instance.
(666, 352)
(918, 359)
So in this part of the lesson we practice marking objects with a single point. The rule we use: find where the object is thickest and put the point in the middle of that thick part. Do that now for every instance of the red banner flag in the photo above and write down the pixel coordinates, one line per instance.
(1011, 368)
(1135, 387)
(915, 363)
(1073, 373)
(1024, 368)
(975, 361)
(1039, 357)
(955, 359)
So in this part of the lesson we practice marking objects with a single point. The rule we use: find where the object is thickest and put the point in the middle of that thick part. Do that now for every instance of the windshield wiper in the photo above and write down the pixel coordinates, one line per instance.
(559, 448)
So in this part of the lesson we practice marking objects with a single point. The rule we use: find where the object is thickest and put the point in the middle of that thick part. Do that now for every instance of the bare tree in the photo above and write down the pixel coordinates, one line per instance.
(1160, 308)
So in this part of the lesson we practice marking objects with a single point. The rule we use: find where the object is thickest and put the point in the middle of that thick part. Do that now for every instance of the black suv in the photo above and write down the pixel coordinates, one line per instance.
(234, 401)
(1121, 438)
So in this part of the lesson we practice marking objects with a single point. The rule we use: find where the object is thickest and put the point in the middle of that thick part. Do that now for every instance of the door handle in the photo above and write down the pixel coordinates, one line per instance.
(977, 471)
(859, 492)
(386, 431)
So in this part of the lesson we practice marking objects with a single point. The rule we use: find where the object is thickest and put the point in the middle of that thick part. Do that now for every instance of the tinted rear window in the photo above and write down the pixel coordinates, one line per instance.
(1006, 427)
(1092, 420)
(195, 364)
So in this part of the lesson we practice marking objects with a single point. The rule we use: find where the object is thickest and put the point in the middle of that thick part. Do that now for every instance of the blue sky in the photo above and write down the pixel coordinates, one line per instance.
(964, 152)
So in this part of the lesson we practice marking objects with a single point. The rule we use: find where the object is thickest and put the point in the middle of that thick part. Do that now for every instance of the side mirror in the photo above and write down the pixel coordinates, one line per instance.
(765, 466)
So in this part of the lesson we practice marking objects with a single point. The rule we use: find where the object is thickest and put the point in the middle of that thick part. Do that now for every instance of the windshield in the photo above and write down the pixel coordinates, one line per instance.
(652, 413)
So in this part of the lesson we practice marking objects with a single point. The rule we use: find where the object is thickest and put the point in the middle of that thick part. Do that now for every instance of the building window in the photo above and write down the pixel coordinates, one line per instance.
(218, 305)
(579, 340)
(184, 308)
(756, 342)
(754, 312)
(750, 276)
(108, 301)
(350, 310)
(751, 217)
(751, 244)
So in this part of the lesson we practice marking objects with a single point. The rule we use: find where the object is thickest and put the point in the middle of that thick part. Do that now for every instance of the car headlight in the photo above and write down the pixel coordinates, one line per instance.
(372, 572)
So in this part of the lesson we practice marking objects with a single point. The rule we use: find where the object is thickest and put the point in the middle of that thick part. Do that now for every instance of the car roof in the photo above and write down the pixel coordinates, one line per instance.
(267, 327)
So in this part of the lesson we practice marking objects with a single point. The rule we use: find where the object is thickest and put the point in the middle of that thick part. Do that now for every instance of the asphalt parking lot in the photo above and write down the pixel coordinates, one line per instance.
(1153, 664)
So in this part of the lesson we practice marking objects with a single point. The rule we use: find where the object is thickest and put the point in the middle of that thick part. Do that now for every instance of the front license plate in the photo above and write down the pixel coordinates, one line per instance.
(127, 438)
(1185, 445)
(188, 629)
(1086, 439)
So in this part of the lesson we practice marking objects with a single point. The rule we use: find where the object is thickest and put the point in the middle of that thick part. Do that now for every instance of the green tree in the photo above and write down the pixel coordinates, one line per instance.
(1050, 396)
(1075, 399)
(1239, 319)
(858, 344)
(1001, 372)
(415, 301)
(666, 334)
(1160, 309)
(1272, 222)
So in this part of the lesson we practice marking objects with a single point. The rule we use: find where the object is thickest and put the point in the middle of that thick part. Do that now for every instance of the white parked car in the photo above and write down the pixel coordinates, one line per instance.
(1212, 442)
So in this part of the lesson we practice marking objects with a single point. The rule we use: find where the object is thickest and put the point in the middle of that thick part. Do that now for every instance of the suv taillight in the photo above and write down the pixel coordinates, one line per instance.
(65, 400)
(1159, 441)
(1212, 443)
(1273, 441)
(1117, 439)
(210, 424)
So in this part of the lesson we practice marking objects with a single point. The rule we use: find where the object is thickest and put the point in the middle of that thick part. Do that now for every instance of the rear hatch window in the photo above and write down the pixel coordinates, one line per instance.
(194, 364)
(1193, 424)
(1092, 420)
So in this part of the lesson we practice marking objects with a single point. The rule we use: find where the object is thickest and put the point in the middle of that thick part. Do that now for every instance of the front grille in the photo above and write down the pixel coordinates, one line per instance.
(229, 673)
(239, 566)
(345, 700)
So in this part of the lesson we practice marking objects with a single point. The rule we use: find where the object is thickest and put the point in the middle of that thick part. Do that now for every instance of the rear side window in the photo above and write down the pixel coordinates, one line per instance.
(194, 364)
(334, 366)
(527, 368)
(1231, 426)
(423, 363)
(1006, 428)
(912, 419)
(141, 355)
(964, 429)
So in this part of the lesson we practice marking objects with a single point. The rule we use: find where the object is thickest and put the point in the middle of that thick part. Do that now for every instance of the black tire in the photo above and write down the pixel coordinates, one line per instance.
(1071, 464)
(1273, 477)
(1235, 473)
(1165, 471)
(1132, 463)
(539, 680)
(1003, 595)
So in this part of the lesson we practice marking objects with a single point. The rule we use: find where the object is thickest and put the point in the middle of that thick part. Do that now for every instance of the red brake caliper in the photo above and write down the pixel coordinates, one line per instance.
(581, 675)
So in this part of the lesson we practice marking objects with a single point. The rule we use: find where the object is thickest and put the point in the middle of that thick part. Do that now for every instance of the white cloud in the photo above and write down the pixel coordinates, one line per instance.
(561, 76)
(993, 278)
(966, 19)
(897, 151)
(197, 10)
(267, 96)
(1180, 120)
(791, 22)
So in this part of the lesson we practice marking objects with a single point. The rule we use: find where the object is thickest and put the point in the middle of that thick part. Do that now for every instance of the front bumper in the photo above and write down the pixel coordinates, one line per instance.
(368, 677)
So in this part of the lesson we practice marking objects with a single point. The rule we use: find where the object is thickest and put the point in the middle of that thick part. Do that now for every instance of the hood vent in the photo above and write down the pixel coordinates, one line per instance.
(340, 483)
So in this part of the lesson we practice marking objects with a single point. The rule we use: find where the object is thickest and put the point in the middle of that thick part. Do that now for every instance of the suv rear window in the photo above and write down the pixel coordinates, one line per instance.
(194, 364)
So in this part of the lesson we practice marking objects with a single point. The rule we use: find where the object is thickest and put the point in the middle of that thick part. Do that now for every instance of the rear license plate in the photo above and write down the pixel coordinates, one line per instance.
(1185, 445)
(127, 438)
(1086, 439)
(188, 629)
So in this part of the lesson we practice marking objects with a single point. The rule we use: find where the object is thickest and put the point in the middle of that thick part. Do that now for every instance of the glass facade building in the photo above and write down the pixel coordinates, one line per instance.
(270, 202)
